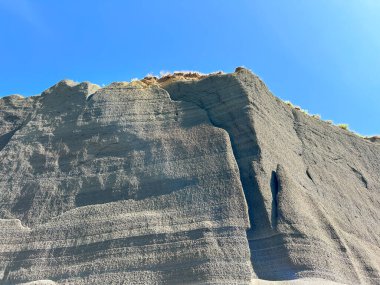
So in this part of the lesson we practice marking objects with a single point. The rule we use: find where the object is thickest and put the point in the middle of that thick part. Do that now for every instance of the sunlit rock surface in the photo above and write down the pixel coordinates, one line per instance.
(186, 179)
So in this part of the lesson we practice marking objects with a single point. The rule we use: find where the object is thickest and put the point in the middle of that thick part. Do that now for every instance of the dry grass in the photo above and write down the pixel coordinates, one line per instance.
(343, 126)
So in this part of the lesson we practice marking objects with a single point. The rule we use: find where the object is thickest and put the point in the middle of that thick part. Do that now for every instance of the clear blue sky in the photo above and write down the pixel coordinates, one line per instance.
(323, 55)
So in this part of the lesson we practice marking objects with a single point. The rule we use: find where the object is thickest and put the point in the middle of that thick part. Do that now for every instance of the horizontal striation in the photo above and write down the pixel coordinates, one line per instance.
(121, 184)
(210, 181)
(311, 187)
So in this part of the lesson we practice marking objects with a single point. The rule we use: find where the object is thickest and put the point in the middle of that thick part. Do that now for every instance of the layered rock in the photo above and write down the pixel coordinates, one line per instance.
(121, 184)
(187, 179)
(312, 188)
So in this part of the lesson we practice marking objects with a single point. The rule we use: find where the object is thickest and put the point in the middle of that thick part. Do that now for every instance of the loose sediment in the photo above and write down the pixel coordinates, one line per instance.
(188, 179)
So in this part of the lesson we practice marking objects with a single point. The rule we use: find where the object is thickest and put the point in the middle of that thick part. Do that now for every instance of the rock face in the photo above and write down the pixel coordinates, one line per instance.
(182, 180)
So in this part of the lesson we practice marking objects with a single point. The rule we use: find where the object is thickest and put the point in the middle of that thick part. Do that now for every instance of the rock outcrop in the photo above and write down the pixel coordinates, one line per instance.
(186, 179)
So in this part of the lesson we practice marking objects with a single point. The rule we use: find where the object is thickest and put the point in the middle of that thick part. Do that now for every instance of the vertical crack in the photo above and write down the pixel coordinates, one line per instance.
(274, 187)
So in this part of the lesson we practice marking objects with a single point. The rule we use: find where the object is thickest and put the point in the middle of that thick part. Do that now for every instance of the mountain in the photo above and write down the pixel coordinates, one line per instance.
(184, 179)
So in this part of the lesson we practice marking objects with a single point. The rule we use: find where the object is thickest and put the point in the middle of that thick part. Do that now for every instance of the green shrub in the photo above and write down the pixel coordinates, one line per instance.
(343, 126)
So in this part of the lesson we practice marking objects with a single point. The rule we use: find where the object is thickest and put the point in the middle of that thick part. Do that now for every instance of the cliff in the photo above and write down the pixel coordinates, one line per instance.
(185, 179)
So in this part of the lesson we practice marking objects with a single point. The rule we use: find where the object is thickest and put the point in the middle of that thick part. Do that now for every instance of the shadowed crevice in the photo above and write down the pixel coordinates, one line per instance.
(5, 138)
(309, 175)
(360, 176)
(274, 188)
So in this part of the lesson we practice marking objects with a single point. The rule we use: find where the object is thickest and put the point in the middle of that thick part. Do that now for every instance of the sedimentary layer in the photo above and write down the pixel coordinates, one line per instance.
(187, 179)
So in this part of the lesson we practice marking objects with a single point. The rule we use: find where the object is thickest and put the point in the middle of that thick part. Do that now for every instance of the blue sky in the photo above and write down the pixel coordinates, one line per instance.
(323, 55)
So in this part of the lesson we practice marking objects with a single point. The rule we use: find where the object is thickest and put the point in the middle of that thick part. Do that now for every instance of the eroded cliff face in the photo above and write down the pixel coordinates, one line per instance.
(312, 188)
(186, 179)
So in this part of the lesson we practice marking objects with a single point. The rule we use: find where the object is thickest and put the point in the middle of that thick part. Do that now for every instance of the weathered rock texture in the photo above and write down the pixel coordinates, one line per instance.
(186, 179)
